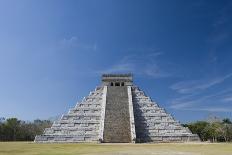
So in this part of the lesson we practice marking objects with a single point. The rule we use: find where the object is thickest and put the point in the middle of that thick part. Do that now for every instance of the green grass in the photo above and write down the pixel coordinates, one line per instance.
(29, 148)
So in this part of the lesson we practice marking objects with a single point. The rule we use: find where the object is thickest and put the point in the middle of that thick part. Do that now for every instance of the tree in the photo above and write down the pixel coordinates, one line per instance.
(227, 129)
(11, 128)
(198, 128)
(226, 121)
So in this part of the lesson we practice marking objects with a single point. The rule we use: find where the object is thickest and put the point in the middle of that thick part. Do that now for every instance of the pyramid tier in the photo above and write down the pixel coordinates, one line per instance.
(81, 124)
(154, 124)
(117, 113)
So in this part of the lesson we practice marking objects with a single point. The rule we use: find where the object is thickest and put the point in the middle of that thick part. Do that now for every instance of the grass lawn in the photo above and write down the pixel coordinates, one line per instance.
(30, 148)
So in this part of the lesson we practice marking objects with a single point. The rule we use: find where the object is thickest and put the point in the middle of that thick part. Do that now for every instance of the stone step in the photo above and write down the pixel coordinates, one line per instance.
(73, 115)
(69, 132)
(76, 128)
(117, 117)
(65, 138)
(79, 121)
(86, 108)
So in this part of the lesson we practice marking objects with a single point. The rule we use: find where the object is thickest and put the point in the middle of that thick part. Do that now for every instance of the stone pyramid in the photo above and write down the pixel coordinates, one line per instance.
(117, 112)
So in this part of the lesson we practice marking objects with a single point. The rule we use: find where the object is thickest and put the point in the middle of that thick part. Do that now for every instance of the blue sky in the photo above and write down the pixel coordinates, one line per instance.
(52, 54)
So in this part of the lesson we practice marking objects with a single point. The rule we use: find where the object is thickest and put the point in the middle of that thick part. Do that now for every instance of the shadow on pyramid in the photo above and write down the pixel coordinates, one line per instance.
(116, 112)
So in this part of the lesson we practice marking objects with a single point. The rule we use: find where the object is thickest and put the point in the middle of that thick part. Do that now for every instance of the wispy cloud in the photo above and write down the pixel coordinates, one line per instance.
(216, 109)
(120, 68)
(153, 70)
(211, 109)
(181, 105)
(140, 64)
(227, 99)
(190, 107)
(199, 94)
(203, 102)
(189, 101)
(75, 42)
(192, 86)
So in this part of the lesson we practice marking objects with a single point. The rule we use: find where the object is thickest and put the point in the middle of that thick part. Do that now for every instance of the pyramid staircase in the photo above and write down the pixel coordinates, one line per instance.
(117, 117)
(116, 111)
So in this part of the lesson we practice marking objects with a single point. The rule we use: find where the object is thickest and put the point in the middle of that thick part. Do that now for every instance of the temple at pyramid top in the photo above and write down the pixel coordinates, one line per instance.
(117, 79)
(117, 111)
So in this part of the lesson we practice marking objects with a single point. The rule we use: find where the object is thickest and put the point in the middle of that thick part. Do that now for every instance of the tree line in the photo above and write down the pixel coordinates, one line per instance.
(213, 131)
(13, 129)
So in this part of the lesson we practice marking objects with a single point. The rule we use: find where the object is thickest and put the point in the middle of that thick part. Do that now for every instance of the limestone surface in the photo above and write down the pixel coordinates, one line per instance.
(117, 112)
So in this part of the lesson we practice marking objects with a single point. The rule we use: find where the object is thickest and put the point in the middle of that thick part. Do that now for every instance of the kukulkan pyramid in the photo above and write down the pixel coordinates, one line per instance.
(117, 112)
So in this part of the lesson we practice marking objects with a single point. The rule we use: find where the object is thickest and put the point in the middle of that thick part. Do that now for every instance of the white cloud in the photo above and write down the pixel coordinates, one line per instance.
(120, 68)
(181, 105)
(75, 42)
(209, 109)
(153, 70)
(140, 64)
(69, 41)
(227, 99)
(215, 109)
(193, 86)
(195, 102)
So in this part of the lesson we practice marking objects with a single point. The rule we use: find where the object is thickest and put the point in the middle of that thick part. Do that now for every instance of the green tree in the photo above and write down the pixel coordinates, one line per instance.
(227, 129)
(226, 121)
(198, 128)
(11, 128)
(214, 131)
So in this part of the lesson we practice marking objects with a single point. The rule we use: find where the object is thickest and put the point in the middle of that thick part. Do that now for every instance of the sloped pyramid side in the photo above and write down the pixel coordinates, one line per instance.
(83, 123)
(153, 124)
